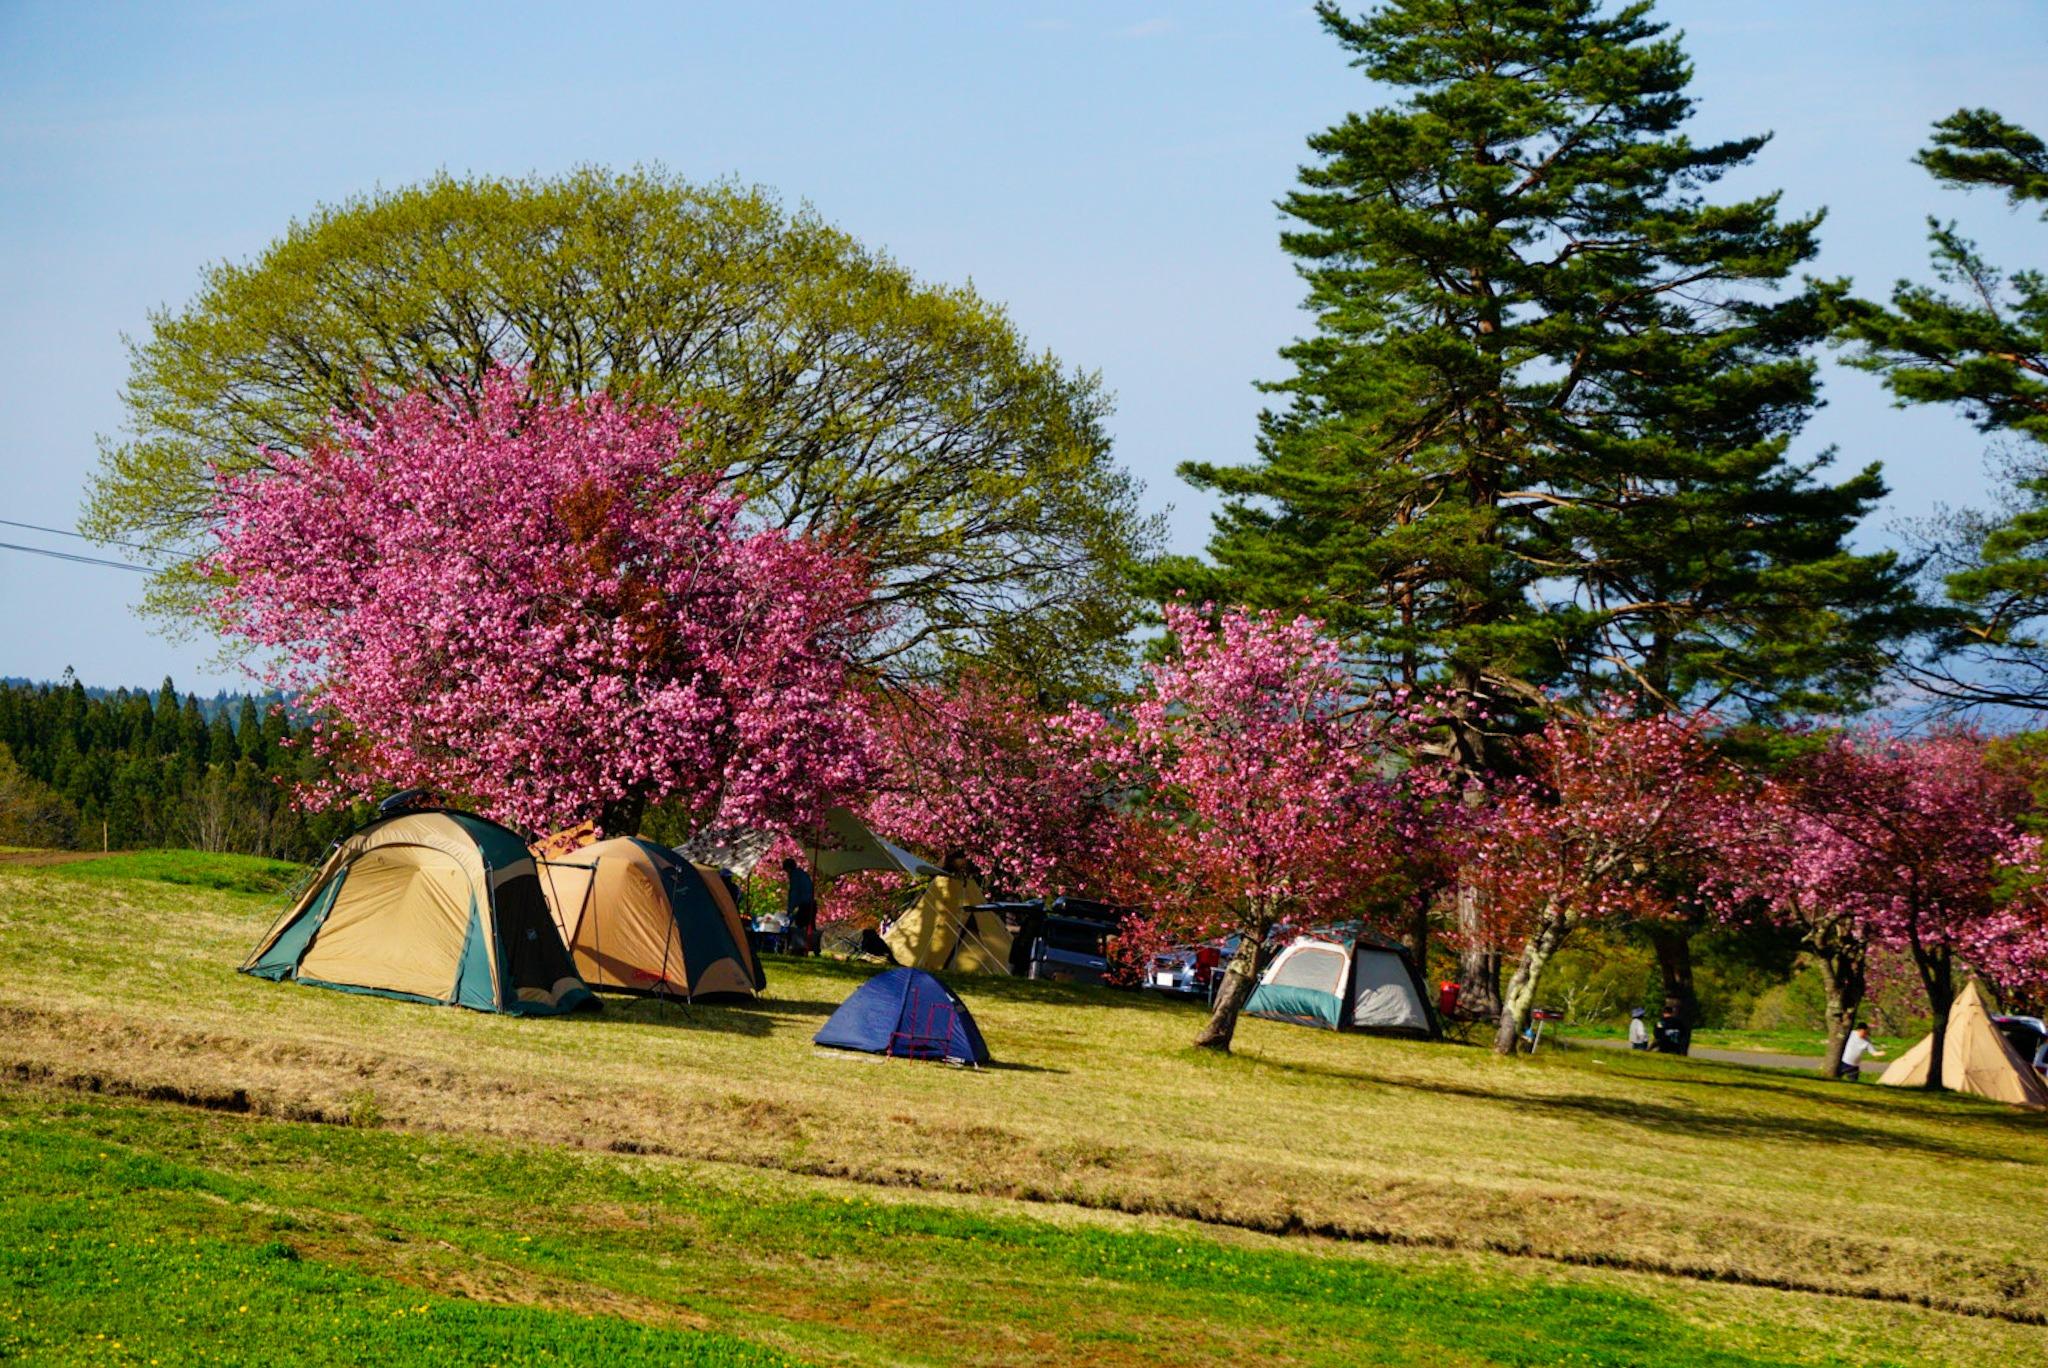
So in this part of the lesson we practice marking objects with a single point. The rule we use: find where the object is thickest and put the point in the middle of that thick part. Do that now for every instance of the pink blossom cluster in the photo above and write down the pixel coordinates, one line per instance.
(1608, 806)
(981, 768)
(1907, 844)
(543, 607)
(1253, 783)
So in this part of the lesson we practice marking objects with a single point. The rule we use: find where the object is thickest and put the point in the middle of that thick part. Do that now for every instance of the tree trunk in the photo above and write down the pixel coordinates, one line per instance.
(1418, 938)
(622, 816)
(1478, 963)
(1841, 976)
(1520, 998)
(1937, 976)
(1238, 981)
(1673, 944)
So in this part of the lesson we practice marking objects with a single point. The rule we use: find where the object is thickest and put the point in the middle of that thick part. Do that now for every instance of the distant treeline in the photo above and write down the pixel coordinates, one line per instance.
(82, 767)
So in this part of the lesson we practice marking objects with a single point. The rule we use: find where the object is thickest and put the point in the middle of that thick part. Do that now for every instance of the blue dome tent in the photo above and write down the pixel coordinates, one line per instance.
(909, 1014)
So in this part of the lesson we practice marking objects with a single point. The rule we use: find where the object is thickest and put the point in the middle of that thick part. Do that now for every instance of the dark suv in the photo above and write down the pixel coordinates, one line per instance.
(2027, 1035)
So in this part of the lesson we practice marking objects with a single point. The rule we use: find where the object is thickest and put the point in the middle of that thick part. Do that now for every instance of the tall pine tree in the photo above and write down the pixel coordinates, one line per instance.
(1978, 341)
(1539, 439)
(1538, 444)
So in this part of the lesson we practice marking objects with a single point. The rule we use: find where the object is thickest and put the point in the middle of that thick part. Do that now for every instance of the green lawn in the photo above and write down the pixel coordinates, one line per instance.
(701, 1185)
(1768, 1042)
(228, 873)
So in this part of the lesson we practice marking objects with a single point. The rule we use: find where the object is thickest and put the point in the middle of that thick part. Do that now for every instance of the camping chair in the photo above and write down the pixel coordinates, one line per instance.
(929, 1043)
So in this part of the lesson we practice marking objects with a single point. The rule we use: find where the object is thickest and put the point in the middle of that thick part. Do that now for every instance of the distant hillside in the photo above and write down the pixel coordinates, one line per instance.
(221, 703)
(132, 768)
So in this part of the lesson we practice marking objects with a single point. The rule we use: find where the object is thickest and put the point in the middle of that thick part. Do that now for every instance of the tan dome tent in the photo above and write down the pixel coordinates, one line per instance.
(1976, 1057)
(429, 906)
(943, 929)
(638, 918)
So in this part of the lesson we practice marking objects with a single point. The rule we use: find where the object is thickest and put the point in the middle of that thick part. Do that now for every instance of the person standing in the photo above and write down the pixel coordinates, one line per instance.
(1638, 1030)
(802, 908)
(1854, 1050)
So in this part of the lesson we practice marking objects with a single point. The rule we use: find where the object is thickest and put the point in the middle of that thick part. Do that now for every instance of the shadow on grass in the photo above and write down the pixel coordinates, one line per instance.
(677, 1014)
(1875, 1100)
(812, 1009)
(1671, 1120)
(1702, 1118)
(995, 987)
(1011, 1066)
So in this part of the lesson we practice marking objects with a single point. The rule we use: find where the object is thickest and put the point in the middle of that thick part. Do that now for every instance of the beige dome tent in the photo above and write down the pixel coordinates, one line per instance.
(944, 929)
(1976, 1057)
(641, 919)
(430, 906)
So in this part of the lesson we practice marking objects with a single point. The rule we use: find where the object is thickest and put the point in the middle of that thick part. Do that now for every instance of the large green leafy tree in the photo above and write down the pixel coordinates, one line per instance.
(841, 393)
(1539, 438)
(1978, 341)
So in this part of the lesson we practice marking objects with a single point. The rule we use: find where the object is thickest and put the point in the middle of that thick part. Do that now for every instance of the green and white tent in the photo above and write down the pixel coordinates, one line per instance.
(1351, 983)
(429, 906)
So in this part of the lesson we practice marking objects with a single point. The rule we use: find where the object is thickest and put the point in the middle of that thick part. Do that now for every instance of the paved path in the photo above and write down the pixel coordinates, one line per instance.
(1759, 1058)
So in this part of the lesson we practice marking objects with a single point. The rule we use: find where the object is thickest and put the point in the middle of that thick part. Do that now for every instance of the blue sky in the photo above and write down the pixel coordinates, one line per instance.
(1107, 170)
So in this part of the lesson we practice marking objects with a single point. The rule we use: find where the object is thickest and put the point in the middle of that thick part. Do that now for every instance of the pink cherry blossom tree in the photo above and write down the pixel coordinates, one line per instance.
(542, 607)
(1606, 806)
(983, 769)
(1776, 858)
(1253, 786)
(1914, 844)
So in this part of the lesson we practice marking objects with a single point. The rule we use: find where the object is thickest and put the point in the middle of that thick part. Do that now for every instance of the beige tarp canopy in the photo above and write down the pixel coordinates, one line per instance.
(938, 931)
(1976, 1057)
(856, 848)
(640, 919)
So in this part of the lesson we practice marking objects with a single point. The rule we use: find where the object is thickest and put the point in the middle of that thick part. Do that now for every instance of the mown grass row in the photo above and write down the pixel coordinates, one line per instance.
(139, 1233)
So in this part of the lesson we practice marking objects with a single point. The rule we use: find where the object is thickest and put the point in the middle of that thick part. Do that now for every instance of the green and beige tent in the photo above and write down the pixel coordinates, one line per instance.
(430, 906)
(639, 918)
(1345, 983)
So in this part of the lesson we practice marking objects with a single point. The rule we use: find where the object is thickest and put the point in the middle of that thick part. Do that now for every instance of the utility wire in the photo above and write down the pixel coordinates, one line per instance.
(67, 556)
(60, 532)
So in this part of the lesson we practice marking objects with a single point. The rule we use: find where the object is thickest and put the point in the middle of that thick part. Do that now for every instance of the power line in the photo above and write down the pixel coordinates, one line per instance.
(60, 532)
(67, 556)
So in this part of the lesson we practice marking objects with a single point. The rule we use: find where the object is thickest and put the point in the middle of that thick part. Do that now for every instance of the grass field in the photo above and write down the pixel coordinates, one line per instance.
(702, 1185)
(1788, 1042)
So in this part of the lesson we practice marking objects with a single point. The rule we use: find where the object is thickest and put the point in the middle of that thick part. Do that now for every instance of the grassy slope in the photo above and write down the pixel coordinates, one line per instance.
(1771, 1042)
(1652, 1164)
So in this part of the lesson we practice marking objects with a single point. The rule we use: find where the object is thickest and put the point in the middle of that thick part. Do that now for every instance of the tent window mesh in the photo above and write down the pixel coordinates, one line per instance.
(1310, 968)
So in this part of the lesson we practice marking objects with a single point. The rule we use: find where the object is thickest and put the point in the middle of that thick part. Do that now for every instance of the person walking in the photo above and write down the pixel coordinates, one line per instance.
(1638, 1030)
(1854, 1050)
